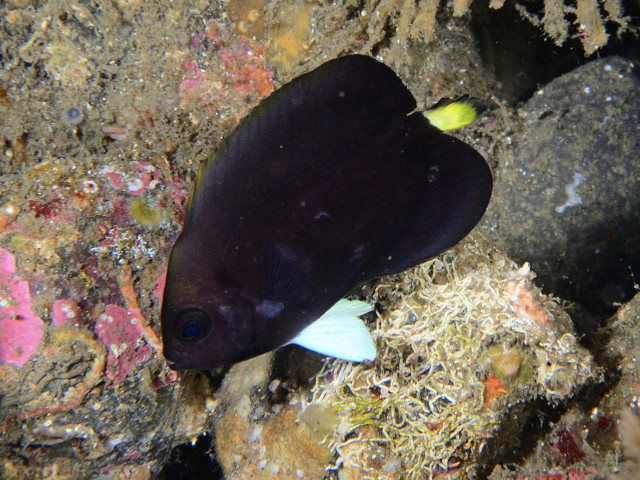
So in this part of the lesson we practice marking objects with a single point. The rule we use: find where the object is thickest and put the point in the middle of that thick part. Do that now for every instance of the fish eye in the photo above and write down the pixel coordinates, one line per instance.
(192, 325)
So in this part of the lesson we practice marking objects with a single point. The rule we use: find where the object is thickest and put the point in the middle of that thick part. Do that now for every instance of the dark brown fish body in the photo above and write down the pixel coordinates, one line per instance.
(327, 184)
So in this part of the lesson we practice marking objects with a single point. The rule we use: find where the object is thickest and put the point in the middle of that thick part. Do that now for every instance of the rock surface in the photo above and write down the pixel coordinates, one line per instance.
(566, 199)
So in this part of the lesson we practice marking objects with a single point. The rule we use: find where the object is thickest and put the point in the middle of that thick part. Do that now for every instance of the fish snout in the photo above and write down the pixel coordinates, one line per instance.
(173, 358)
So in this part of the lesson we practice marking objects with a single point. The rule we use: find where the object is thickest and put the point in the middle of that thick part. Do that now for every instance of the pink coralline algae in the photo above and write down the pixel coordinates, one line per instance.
(158, 291)
(142, 177)
(122, 333)
(195, 82)
(64, 311)
(244, 69)
(21, 330)
(233, 70)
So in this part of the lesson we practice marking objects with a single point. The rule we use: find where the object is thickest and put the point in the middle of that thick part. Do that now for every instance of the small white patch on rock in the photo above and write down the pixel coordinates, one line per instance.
(573, 198)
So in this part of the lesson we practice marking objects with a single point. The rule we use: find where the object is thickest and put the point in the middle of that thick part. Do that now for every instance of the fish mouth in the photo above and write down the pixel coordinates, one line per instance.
(173, 360)
(176, 360)
(171, 364)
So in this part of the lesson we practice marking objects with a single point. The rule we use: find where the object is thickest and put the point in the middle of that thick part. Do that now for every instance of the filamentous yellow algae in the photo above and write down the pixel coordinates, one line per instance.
(453, 358)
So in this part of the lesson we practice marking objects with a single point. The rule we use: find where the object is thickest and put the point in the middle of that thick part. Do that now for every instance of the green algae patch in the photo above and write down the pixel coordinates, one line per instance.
(322, 419)
(144, 214)
(509, 364)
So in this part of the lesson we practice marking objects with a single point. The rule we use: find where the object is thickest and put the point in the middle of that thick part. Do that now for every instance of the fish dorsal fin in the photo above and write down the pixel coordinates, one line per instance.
(340, 333)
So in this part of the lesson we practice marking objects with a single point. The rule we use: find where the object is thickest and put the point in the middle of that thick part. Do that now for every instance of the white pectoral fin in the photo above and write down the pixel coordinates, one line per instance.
(340, 333)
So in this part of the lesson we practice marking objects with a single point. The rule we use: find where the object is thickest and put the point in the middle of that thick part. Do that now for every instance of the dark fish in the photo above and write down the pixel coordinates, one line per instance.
(328, 183)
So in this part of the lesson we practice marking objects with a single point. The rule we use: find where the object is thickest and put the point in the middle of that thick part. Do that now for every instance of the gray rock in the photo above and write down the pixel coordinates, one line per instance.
(568, 199)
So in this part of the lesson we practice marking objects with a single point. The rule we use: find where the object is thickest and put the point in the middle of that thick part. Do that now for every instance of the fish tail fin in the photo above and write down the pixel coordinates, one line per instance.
(450, 114)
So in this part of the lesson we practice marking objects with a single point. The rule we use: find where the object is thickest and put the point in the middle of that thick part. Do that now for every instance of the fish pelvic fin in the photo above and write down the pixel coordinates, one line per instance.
(450, 114)
(340, 333)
